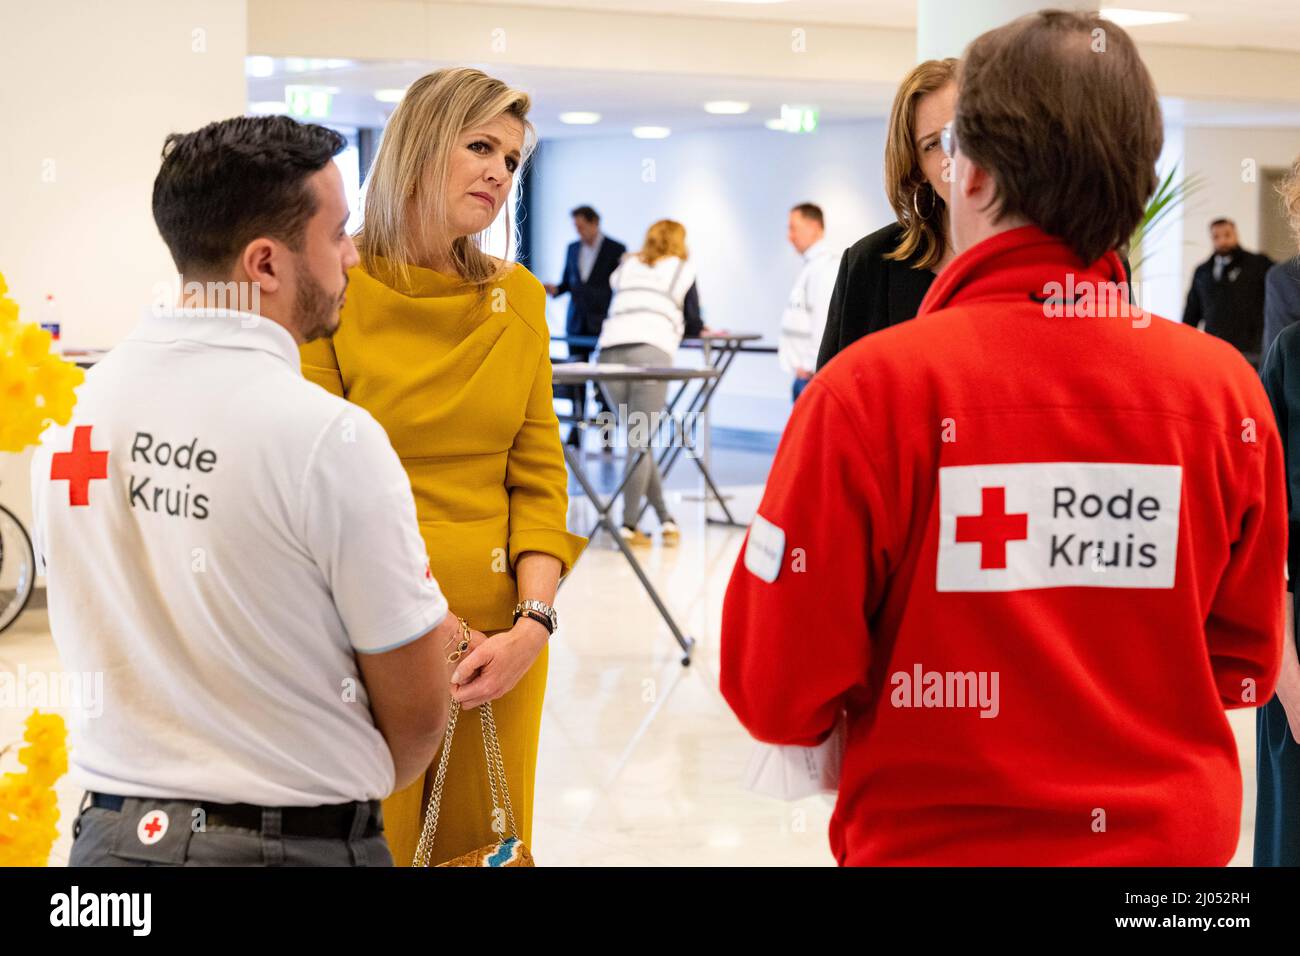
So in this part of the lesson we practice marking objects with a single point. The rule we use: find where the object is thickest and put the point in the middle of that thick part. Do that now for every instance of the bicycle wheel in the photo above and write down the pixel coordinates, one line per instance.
(17, 568)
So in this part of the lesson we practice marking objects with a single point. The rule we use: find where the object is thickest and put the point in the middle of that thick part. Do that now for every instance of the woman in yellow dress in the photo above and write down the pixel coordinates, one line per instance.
(449, 349)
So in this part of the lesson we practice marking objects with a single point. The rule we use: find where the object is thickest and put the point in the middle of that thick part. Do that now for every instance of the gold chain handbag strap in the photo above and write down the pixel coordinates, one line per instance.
(496, 769)
(496, 776)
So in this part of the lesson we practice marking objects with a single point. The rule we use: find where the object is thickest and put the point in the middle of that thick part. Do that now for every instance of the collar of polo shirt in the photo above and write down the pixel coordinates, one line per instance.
(221, 328)
(815, 250)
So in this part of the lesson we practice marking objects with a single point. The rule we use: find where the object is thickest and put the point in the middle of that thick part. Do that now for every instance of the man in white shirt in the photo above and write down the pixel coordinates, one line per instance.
(234, 548)
(804, 319)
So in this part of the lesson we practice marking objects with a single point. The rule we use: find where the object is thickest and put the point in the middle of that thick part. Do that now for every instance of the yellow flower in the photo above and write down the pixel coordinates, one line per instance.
(29, 805)
(36, 386)
(45, 729)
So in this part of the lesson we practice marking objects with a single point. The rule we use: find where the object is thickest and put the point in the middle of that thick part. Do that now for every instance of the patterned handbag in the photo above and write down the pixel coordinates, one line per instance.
(508, 850)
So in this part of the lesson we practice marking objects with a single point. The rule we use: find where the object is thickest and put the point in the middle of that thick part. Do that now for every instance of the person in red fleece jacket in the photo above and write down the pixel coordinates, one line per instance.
(1034, 580)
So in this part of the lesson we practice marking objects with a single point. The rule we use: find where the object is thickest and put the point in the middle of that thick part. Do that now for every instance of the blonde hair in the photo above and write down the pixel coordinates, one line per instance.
(904, 180)
(667, 237)
(1289, 189)
(414, 160)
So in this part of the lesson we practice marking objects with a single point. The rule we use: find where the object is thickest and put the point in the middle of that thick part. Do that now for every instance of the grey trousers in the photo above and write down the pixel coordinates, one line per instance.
(640, 399)
(103, 837)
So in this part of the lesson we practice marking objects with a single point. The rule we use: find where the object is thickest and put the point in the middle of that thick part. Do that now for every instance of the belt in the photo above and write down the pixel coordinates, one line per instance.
(330, 821)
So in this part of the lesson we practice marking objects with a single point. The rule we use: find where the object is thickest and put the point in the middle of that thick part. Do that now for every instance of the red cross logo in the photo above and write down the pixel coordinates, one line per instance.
(79, 467)
(993, 528)
(152, 826)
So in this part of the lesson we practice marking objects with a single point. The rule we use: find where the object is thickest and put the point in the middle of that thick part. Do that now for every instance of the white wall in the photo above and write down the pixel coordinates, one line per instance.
(733, 191)
(1225, 158)
(88, 91)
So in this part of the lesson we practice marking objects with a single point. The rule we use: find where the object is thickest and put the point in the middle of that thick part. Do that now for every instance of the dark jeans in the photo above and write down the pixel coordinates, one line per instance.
(797, 389)
(1277, 774)
(103, 837)
(577, 394)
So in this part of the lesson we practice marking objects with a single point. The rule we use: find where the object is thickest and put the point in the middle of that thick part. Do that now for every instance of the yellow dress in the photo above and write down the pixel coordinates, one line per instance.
(461, 381)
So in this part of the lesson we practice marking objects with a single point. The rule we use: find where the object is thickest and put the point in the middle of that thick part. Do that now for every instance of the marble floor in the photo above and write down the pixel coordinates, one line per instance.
(641, 761)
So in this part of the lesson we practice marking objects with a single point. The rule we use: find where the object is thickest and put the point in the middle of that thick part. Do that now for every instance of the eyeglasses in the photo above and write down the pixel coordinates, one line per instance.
(948, 141)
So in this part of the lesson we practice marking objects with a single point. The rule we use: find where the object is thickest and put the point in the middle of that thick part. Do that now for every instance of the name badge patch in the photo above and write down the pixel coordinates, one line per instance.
(765, 549)
(1058, 524)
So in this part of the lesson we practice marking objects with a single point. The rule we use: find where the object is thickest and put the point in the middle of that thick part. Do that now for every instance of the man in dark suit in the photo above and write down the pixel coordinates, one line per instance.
(1227, 294)
(1281, 299)
(588, 264)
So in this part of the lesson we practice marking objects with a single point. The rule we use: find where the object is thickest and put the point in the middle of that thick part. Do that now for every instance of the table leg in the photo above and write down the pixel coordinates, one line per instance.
(603, 508)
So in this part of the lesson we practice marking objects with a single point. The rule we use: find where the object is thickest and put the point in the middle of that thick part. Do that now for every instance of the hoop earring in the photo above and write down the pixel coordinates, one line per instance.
(916, 208)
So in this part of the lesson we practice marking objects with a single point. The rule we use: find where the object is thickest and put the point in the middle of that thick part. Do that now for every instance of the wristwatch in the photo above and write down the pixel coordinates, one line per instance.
(540, 612)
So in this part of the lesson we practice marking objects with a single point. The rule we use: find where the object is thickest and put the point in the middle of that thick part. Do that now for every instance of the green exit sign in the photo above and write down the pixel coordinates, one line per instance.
(800, 119)
(309, 102)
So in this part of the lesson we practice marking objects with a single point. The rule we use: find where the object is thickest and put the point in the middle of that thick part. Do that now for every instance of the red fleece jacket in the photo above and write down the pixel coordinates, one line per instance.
(1033, 556)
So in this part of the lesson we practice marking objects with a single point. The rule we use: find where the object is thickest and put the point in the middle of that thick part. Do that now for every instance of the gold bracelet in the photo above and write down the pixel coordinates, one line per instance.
(462, 646)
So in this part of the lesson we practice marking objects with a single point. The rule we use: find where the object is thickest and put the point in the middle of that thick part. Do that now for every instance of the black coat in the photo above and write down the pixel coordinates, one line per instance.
(872, 292)
(1233, 307)
(589, 301)
(1281, 299)
(1277, 763)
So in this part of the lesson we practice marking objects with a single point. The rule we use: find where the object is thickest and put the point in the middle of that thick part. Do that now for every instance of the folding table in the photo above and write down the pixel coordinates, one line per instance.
(720, 350)
(579, 373)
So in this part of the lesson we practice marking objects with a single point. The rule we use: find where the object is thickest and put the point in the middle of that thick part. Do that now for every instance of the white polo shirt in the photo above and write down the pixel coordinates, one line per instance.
(804, 321)
(221, 538)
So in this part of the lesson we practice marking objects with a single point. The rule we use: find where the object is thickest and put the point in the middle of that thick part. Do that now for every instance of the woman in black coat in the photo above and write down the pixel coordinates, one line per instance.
(884, 277)
(1277, 723)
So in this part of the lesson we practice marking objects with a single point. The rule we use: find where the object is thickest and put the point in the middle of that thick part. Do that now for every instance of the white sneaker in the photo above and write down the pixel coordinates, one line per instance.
(670, 532)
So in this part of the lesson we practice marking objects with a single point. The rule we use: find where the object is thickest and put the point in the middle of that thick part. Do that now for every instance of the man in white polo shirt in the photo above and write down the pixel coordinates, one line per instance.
(804, 319)
(234, 548)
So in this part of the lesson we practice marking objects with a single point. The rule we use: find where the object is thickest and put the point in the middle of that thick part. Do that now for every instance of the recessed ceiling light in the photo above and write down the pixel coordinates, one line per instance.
(776, 123)
(268, 108)
(259, 66)
(579, 118)
(726, 107)
(1127, 17)
(390, 96)
(302, 64)
(651, 132)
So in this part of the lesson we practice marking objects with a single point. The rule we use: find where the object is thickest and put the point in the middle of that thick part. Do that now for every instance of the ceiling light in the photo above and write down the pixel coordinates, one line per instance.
(1126, 17)
(726, 107)
(390, 96)
(579, 118)
(651, 132)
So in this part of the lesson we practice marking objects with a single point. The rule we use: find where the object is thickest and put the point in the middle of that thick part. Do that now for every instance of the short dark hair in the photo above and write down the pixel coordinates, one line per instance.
(587, 213)
(1223, 222)
(1061, 111)
(811, 211)
(230, 182)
